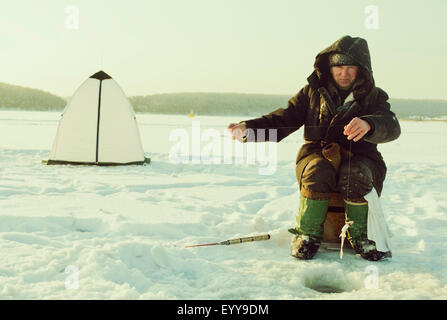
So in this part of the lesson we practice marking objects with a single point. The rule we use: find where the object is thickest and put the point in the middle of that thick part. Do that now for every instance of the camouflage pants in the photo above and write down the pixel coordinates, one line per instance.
(354, 179)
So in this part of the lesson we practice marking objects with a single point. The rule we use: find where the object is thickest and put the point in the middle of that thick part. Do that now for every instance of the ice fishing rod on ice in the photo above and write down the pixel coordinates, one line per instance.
(233, 241)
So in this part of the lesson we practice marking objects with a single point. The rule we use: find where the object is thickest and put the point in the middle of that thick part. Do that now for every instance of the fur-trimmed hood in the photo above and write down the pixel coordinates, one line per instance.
(357, 49)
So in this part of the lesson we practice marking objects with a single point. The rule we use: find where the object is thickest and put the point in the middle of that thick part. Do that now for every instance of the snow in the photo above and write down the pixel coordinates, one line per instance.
(71, 232)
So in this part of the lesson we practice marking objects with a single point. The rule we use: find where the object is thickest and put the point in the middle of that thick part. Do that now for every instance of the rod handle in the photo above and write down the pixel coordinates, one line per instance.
(246, 239)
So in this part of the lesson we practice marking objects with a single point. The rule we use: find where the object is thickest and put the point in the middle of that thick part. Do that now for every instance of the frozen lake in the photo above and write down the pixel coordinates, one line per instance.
(119, 232)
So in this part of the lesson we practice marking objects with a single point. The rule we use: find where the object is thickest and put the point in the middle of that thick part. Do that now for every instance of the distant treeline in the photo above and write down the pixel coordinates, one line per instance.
(208, 103)
(258, 104)
(16, 97)
(408, 108)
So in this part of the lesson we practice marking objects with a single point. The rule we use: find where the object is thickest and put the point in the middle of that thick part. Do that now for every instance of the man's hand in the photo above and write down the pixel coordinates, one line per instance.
(237, 130)
(356, 129)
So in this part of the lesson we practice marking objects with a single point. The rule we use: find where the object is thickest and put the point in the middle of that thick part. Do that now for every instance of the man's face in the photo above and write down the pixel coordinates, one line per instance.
(344, 76)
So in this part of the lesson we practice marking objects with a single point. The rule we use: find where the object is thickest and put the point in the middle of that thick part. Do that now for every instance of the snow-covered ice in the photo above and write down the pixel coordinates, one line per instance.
(70, 232)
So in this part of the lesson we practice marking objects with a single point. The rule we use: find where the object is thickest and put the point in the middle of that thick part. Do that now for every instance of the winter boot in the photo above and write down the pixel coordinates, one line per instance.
(367, 250)
(357, 233)
(304, 247)
(309, 227)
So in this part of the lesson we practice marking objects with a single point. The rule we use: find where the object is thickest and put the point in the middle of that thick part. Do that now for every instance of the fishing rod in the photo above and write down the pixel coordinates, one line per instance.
(233, 241)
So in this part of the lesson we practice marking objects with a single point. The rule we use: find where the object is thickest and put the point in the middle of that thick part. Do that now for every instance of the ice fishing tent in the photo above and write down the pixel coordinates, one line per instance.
(98, 127)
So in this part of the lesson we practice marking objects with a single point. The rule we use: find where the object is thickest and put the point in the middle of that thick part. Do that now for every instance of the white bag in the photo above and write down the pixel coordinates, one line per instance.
(377, 227)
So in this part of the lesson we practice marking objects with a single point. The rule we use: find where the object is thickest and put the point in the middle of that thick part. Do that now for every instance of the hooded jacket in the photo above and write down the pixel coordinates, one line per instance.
(319, 107)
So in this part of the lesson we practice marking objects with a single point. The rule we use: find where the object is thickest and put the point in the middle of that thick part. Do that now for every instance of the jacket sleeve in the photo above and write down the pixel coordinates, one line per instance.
(384, 124)
(284, 120)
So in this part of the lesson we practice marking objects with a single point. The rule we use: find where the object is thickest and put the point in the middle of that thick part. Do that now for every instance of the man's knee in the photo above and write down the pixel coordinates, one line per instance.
(355, 180)
(318, 179)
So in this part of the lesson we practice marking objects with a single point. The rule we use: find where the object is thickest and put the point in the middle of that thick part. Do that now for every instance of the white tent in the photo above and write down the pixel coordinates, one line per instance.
(98, 127)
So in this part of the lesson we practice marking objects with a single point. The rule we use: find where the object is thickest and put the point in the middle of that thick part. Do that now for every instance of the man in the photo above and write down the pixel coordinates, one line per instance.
(345, 116)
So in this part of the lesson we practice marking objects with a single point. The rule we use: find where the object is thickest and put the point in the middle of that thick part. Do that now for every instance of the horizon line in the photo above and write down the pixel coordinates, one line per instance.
(207, 92)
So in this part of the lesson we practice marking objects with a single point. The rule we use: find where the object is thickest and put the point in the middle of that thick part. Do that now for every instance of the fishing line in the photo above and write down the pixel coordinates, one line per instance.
(349, 169)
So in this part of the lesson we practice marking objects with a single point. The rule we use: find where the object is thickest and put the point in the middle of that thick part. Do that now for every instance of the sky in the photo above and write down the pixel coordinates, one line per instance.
(245, 46)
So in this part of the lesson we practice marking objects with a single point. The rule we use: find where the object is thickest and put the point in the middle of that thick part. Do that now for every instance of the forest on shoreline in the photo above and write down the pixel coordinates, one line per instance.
(203, 103)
